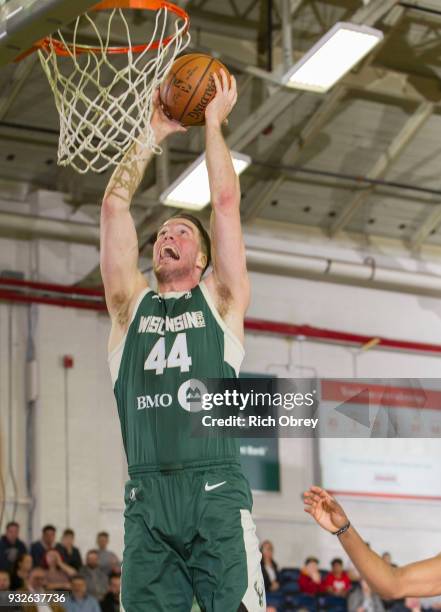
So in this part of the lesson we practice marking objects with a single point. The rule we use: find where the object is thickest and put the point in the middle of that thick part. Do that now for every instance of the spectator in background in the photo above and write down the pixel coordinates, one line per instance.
(337, 581)
(20, 572)
(58, 574)
(40, 547)
(5, 585)
(69, 553)
(362, 599)
(107, 560)
(111, 602)
(270, 571)
(310, 581)
(96, 580)
(11, 547)
(433, 603)
(5, 581)
(37, 584)
(79, 600)
(37, 580)
(413, 604)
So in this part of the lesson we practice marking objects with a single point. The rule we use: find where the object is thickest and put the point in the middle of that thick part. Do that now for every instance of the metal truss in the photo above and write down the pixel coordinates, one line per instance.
(382, 165)
(368, 15)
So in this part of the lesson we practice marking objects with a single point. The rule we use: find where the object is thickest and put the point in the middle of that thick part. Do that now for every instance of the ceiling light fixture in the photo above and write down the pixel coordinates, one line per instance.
(333, 56)
(191, 190)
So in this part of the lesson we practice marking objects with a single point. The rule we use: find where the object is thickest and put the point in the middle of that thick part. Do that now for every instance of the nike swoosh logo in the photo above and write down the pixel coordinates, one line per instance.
(211, 487)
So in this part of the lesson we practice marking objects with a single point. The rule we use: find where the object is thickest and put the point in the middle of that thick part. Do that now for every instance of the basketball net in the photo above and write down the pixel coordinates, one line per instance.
(105, 106)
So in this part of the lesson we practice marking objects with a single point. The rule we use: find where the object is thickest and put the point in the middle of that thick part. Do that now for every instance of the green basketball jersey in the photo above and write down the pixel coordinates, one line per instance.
(172, 339)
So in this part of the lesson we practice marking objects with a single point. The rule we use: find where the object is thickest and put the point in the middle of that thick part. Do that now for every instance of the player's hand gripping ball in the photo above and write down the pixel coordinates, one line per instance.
(189, 87)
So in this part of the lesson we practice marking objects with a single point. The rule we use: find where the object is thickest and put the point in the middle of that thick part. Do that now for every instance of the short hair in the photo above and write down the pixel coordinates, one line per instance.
(92, 551)
(78, 577)
(205, 238)
(336, 560)
(114, 575)
(102, 534)
(68, 532)
(311, 560)
(18, 560)
(12, 524)
(47, 528)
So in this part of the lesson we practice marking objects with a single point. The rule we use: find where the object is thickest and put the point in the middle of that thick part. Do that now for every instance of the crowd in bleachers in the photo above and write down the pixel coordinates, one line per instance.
(313, 589)
(91, 584)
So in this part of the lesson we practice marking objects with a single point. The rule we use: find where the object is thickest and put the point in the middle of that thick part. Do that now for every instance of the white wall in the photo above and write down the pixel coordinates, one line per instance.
(97, 470)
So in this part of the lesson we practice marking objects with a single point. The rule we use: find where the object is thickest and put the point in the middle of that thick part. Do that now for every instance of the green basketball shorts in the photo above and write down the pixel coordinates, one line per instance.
(190, 533)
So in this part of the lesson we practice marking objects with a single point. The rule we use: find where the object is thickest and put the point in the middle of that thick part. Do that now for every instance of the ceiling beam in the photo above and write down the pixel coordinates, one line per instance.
(32, 23)
(18, 79)
(263, 116)
(264, 190)
(373, 12)
(221, 24)
(425, 229)
(407, 133)
(367, 15)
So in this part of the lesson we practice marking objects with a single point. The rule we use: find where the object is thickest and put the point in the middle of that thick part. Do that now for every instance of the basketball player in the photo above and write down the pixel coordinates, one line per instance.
(188, 527)
(421, 579)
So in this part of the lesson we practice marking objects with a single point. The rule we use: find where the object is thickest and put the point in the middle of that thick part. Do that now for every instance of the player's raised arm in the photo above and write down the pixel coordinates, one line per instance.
(228, 251)
(119, 242)
(421, 579)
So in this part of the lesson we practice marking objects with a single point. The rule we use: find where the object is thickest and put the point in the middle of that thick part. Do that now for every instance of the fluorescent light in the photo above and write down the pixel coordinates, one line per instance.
(191, 189)
(332, 57)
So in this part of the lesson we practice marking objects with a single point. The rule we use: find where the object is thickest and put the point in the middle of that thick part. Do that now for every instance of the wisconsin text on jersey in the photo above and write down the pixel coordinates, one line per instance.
(159, 325)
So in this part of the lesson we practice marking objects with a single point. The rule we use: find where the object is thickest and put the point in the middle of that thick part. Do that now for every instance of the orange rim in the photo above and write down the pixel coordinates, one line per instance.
(66, 50)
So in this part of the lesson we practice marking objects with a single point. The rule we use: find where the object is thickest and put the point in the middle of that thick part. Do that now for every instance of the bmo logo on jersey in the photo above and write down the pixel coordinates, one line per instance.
(190, 395)
(159, 400)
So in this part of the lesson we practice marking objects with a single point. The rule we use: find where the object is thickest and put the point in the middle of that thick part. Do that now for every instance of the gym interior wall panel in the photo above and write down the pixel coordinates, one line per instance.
(14, 502)
(97, 466)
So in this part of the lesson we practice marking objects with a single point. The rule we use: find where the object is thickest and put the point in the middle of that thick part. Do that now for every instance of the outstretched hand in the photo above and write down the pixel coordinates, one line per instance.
(163, 126)
(324, 509)
(223, 102)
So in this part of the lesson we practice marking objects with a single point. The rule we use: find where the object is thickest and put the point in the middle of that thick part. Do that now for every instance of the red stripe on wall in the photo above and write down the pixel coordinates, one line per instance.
(380, 395)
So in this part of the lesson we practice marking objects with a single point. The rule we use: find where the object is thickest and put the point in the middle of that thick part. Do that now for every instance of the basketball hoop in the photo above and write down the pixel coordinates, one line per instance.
(106, 107)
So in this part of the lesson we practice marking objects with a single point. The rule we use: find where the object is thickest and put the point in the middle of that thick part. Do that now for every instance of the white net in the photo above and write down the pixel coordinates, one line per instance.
(104, 99)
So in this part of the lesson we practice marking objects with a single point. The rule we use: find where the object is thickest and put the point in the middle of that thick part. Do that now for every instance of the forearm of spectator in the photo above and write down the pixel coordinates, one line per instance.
(67, 569)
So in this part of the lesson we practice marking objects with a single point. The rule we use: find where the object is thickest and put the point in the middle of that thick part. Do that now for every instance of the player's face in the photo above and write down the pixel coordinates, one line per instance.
(176, 252)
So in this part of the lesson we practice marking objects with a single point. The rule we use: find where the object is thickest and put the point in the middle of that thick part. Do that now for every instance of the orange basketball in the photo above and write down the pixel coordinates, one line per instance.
(189, 87)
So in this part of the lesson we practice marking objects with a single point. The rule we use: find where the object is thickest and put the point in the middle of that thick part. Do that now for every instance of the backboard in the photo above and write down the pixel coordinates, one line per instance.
(24, 22)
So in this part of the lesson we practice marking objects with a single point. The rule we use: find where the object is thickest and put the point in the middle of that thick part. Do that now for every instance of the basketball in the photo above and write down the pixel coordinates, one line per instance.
(189, 87)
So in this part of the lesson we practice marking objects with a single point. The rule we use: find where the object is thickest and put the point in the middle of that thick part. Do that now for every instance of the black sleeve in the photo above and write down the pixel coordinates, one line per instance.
(22, 547)
(106, 605)
(4, 564)
(266, 580)
(76, 559)
(37, 553)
